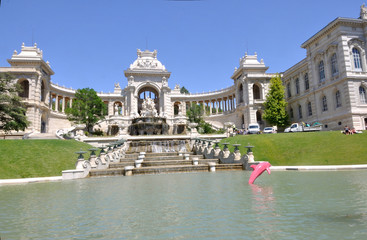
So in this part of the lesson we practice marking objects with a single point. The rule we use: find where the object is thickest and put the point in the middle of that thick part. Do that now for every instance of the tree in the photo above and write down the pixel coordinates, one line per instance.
(87, 108)
(184, 90)
(275, 104)
(195, 114)
(12, 110)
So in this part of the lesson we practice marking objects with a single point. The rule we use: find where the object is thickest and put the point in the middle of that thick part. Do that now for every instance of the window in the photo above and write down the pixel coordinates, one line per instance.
(24, 85)
(289, 90)
(324, 104)
(362, 95)
(43, 91)
(256, 91)
(309, 109)
(297, 86)
(307, 83)
(334, 65)
(300, 111)
(357, 59)
(291, 112)
(240, 93)
(321, 71)
(338, 99)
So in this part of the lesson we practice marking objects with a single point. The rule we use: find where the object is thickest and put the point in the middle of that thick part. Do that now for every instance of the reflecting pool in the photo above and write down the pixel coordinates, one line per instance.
(220, 205)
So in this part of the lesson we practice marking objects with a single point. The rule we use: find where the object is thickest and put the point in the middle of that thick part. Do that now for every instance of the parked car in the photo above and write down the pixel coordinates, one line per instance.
(253, 128)
(304, 127)
(269, 130)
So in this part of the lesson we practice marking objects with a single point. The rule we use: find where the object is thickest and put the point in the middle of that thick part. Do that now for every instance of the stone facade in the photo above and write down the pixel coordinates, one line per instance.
(146, 77)
(328, 86)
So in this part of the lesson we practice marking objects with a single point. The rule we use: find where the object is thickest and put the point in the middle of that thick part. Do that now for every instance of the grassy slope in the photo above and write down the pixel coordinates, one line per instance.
(314, 148)
(41, 158)
(37, 158)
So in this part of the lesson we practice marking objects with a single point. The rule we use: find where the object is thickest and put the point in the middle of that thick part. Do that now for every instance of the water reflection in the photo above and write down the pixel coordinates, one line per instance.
(263, 204)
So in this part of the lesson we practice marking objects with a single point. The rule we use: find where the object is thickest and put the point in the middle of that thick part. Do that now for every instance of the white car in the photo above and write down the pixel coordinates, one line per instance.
(253, 128)
(269, 130)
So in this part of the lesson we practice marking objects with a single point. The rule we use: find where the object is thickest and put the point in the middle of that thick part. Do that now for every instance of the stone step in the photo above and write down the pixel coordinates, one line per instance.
(129, 154)
(161, 162)
(42, 136)
(159, 157)
(171, 157)
(165, 169)
(171, 169)
(176, 162)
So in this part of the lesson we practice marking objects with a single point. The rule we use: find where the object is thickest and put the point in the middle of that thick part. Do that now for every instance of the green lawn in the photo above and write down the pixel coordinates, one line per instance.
(313, 148)
(37, 158)
(42, 158)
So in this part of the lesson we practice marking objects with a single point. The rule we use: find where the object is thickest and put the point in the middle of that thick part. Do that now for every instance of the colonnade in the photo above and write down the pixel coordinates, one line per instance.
(216, 106)
(61, 102)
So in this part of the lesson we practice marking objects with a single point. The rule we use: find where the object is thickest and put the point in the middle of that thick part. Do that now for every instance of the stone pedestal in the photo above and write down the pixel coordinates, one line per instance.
(128, 170)
(211, 166)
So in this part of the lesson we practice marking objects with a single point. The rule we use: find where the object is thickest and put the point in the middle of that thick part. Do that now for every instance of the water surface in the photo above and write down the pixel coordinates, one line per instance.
(220, 205)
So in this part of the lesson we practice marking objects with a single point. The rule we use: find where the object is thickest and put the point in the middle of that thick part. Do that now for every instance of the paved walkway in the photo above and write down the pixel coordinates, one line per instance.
(319, 167)
(29, 180)
(273, 168)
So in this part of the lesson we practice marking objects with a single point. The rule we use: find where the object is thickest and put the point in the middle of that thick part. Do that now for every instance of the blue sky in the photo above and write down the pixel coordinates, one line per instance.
(90, 43)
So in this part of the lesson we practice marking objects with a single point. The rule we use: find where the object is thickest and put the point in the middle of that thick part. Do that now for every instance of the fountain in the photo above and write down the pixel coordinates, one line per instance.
(149, 123)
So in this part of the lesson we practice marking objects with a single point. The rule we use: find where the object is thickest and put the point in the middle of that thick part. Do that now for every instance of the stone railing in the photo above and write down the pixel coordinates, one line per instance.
(204, 147)
(111, 153)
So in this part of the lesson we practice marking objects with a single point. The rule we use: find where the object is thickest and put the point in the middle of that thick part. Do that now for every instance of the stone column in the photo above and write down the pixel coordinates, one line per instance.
(225, 104)
(63, 104)
(203, 107)
(210, 107)
(57, 103)
(50, 101)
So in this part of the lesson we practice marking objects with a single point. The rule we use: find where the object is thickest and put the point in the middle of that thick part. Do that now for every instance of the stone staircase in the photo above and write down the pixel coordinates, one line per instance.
(156, 163)
(42, 136)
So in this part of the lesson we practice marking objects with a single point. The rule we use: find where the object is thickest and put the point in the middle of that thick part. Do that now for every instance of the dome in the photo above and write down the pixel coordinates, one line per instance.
(147, 60)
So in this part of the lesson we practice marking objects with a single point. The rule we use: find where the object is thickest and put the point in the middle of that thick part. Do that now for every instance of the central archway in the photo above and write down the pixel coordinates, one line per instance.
(146, 92)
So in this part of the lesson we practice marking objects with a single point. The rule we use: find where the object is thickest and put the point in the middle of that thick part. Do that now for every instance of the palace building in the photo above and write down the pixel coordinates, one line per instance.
(328, 86)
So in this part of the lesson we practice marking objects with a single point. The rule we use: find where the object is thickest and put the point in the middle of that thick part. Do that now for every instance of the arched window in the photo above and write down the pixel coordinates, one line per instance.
(256, 91)
(321, 71)
(240, 92)
(289, 90)
(324, 104)
(362, 95)
(307, 83)
(176, 108)
(334, 65)
(24, 85)
(291, 112)
(300, 111)
(148, 92)
(297, 86)
(117, 108)
(43, 91)
(105, 102)
(357, 59)
(338, 102)
(258, 117)
(309, 109)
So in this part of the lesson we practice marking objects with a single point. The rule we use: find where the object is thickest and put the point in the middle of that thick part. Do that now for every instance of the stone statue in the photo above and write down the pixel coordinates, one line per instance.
(148, 108)
(363, 13)
(130, 80)
(117, 85)
(116, 109)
